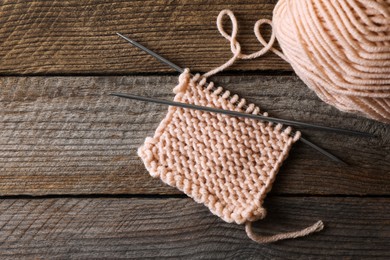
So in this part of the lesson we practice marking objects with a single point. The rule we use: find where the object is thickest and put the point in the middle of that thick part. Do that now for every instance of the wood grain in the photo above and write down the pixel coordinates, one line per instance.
(180, 228)
(78, 37)
(64, 135)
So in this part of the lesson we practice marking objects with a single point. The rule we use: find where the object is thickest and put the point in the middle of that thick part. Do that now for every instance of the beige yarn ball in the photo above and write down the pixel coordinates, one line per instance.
(341, 50)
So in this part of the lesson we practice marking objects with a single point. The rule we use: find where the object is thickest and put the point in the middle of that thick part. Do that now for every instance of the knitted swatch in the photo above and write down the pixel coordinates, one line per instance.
(226, 163)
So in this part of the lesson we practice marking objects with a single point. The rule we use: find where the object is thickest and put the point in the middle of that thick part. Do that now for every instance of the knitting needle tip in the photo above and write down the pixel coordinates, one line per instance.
(150, 52)
(124, 37)
(324, 152)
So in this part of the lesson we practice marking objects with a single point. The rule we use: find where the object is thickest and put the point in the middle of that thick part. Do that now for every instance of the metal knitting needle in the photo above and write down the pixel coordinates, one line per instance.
(179, 69)
(233, 113)
(226, 112)
(270, 119)
(152, 53)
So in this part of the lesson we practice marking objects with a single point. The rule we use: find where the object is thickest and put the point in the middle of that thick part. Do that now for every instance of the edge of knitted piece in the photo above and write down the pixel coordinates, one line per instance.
(185, 80)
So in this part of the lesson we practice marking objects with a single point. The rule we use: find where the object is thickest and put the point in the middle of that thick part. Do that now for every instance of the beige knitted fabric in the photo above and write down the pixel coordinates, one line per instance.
(224, 162)
(227, 163)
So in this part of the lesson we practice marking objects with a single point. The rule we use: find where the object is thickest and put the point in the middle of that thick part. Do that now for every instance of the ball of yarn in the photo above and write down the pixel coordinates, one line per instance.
(341, 50)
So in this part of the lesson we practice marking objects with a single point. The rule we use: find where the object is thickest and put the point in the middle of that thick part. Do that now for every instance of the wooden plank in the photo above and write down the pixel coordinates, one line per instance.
(64, 135)
(62, 37)
(155, 228)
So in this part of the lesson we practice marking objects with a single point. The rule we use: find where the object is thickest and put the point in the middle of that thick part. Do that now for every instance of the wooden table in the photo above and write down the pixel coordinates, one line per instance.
(72, 185)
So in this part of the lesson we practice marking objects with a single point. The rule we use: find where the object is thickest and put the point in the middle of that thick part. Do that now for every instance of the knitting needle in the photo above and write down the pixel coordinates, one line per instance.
(152, 53)
(228, 112)
(235, 113)
(179, 69)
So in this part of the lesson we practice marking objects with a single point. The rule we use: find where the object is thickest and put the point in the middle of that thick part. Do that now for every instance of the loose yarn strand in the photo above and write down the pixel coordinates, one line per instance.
(318, 226)
(235, 46)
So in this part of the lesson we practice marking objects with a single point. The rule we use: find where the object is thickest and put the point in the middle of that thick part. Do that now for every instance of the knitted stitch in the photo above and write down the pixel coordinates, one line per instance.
(226, 163)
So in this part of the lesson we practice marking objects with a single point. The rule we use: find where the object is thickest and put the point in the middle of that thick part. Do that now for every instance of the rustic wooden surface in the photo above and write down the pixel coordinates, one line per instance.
(180, 228)
(71, 184)
(65, 37)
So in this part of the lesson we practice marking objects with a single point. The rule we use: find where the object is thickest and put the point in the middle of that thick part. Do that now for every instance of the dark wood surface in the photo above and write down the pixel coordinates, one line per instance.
(65, 37)
(178, 227)
(71, 184)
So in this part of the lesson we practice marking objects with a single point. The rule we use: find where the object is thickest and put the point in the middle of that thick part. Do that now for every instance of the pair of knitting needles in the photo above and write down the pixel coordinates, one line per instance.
(235, 113)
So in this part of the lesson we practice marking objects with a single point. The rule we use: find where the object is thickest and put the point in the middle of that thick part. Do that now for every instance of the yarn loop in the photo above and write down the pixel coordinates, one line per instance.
(235, 46)
(339, 48)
